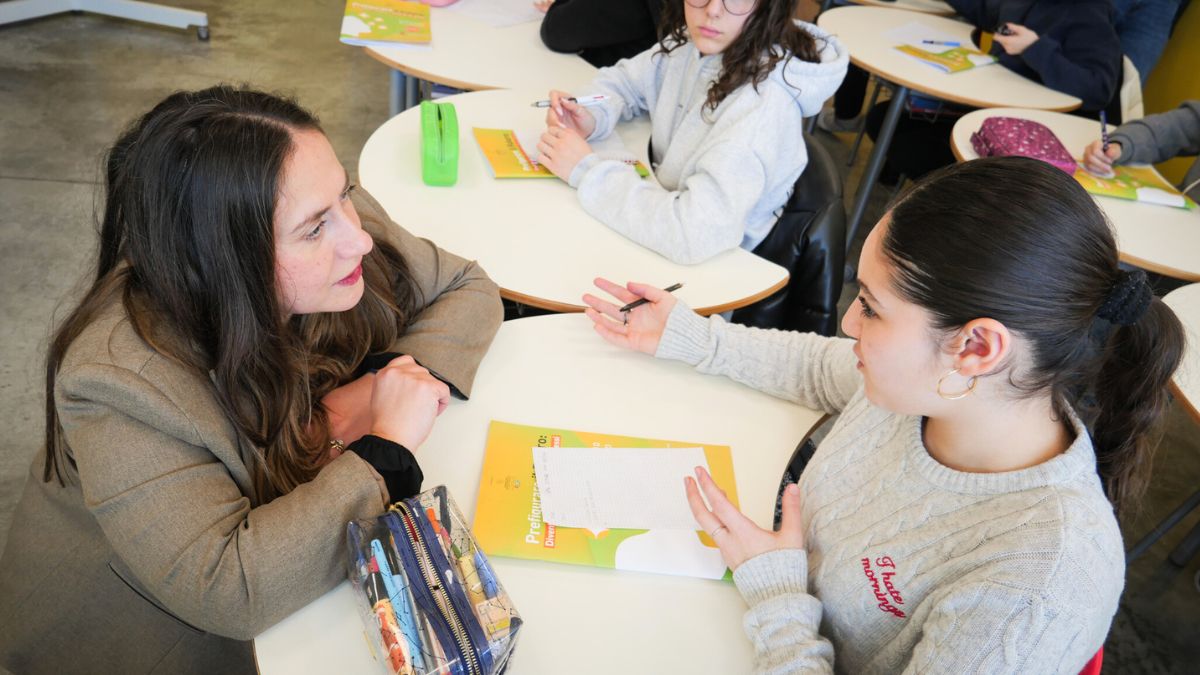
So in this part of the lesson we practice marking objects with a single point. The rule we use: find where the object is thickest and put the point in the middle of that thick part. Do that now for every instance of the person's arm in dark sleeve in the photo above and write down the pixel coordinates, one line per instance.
(394, 462)
(1084, 64)
(972, 11)
(571, 26)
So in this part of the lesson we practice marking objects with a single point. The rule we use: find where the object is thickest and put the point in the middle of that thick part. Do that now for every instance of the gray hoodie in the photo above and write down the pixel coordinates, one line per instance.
(723, 175)
(1157, 138)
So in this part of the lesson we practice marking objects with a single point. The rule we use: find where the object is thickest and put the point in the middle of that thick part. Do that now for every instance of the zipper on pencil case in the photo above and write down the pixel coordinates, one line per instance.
(456, 592)
(442, 599)
(434, 597)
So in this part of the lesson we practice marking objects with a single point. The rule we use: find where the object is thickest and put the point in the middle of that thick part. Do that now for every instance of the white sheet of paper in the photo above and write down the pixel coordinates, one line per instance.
(609, 148)
(1152, 195)
(630, 488)
(914, 32)
(497, 13)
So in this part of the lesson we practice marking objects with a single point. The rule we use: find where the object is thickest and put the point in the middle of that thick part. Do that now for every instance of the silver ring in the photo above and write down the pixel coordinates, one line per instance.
(713, 534)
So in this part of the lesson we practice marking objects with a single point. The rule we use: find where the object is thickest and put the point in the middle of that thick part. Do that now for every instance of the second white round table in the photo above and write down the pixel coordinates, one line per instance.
(870, 35)
(1161, 239)
(531, 234)
(466, 53)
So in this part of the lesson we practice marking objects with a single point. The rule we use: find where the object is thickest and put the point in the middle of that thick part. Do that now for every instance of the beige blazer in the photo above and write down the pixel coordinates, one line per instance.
(158, 557)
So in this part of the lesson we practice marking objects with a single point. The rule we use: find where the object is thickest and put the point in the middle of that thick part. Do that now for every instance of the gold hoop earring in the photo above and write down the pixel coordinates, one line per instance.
(962, 394)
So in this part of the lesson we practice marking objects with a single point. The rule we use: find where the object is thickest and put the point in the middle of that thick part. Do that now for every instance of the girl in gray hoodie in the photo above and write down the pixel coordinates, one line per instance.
(727, 90)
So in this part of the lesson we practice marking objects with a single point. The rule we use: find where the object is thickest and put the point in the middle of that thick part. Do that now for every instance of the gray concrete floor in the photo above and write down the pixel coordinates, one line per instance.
(69, 84)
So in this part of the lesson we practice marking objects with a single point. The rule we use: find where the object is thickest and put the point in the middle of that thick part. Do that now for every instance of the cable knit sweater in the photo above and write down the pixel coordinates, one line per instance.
(910, 566)
(723, 175)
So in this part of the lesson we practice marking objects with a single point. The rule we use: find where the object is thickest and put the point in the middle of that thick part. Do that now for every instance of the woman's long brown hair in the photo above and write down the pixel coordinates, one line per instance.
(187, 246)
(769, 36)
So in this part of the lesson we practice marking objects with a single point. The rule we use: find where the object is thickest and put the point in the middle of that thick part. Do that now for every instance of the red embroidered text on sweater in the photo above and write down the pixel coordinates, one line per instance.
(881, 584)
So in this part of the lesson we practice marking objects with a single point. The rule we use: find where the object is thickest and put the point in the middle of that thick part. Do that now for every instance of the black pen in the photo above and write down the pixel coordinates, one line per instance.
(641, 301)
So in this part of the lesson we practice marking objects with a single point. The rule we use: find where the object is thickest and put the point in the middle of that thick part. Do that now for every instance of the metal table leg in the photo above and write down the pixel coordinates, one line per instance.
(1186, 550)
(1162, 528)
(875, 163)
(396, 93)
(862, 127)
(411, 96)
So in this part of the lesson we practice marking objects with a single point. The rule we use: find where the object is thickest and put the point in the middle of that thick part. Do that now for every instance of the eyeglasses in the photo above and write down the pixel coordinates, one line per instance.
(735, 7)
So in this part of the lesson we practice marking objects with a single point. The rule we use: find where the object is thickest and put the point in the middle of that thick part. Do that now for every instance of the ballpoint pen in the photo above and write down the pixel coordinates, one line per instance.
(400, 607)
(596, 99)
(641, 301)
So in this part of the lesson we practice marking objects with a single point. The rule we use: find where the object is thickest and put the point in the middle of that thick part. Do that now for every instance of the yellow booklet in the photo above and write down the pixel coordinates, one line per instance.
(386, 23)
(512, 154)
(952, 60)
(1137, 183)
(508, 515)
(506, 156)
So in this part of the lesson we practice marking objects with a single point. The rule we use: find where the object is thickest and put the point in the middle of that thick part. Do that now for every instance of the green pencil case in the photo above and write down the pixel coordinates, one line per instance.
(439, 143)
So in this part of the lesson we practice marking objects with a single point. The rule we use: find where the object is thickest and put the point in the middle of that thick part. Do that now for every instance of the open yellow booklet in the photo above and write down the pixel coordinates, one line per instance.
(951, 60)
(508, 514)
(511, 154)
(1137, 183)
(386, 23)
(948, 52)
(506, 155)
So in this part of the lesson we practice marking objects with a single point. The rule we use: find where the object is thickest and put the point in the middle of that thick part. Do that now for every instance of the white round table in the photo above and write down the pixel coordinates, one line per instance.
(865, 32)
(1161, 239)
(469, 54)
(935, 7)
(555, 371)
(531, 234)
(1186, 381)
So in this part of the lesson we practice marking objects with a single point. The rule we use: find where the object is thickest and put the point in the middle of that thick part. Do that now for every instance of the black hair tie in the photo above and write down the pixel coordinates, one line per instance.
(1127, 300)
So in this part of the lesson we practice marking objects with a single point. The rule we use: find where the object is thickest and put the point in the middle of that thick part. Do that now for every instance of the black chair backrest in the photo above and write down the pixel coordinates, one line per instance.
(809, 239)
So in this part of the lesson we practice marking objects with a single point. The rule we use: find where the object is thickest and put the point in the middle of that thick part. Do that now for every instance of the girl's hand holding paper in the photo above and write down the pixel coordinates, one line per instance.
(641, 328)
(736, 535)
(560, 149)
(564, 112)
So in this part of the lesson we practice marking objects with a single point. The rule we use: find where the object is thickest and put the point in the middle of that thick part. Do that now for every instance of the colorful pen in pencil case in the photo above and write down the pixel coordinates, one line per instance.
(428, 594)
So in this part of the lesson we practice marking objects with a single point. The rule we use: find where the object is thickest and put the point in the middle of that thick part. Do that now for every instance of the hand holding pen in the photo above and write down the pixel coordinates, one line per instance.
(640, 328)
(1099, 161)
(564, 111)
(1099, 156)
(1014, 38)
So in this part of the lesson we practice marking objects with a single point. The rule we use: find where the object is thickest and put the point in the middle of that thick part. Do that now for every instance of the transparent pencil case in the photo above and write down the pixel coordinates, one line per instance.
(429, 597)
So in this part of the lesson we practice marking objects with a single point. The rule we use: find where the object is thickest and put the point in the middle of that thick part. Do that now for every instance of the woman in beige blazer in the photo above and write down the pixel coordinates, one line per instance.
(214, 414)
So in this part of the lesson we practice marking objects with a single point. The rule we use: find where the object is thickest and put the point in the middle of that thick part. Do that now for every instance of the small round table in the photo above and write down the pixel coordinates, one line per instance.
(468, 54)
(1186, 381)
(1161, 239)
(865, 32)
(934, 7)
(555, 371)
(531, 234)
(1185, 384)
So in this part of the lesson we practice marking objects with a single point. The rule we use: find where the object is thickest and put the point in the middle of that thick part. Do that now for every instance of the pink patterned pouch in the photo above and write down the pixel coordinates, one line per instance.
(1012, 136)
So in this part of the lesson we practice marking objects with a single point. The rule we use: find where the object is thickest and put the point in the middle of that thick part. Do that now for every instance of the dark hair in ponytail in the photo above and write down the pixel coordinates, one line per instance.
(187, 246)
(769, 36)
(1021, 242)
